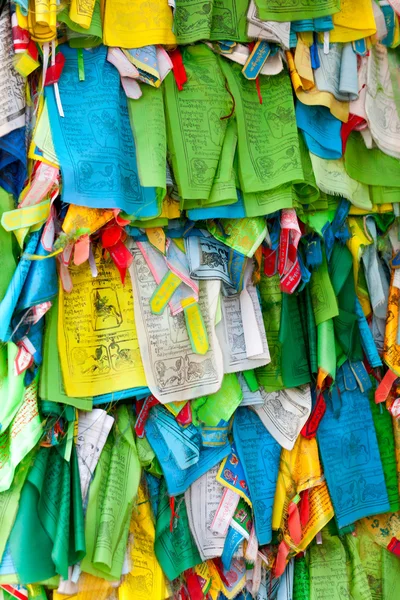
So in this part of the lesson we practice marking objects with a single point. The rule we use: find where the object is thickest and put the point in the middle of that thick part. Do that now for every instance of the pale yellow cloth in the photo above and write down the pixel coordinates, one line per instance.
(309, 94)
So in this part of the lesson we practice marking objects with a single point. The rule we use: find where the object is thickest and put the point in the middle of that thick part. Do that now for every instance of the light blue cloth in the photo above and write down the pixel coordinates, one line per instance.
(9, 302)
(215, 435)
(147, 55)
(94, 141)
(41, 284)
(23, 4)
(318, 24)
(232, 543)
(7, 566)
(323, 23)
(367, 340)
(260, 455)
(350, 456)
(321, 130)
(179, 450)
(138, 393)
(233, 211)
(338, 72)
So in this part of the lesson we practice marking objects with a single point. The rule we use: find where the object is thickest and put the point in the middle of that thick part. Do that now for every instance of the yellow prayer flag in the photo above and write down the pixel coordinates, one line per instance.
(81, 217)
(321, 512)
(156, 237)
(81, 12)
(137, 24)
(146, 580)
(391, 349)
(97, 339)
(42, 20)
(354, 21)
(299, 470)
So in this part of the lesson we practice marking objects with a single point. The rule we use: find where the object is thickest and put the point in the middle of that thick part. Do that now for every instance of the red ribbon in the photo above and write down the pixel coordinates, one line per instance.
(309, 430)
(383, 389)
(218, 565)
(281, 557)
(111, 234)
(353, 123)
(258, 89)
(112, 239)
(21, 39)
(304, 507)
(294, 524)
(394, 546)
(173, 513)
(270, 261)
(178, 68)
(53, 73)
(184, 417)
(143, 415)
(193, 585)
(291, 279)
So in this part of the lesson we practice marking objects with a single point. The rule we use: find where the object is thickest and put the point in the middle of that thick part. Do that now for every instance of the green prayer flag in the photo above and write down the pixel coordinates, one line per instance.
(21, 436)
(111, 497)
(371, 558)
(328, 570)
(346, 323)
(45, 522)
(264, 203)
(51, 382)
(223, 191)
(310, 328)
(356, 573)
(384, 433)
(390, 576)
(7, 245)
(301, 579)
(293, 10)
(196, 20)
(11, 385)
(306, 192)
(295, 368)
(270, 376)
(175, 550)
(323, 296)
(268, 143)
(147, 457)
(9, 501)
(370, 166)
(79, 37)
(195, 130)
(147, 119)
(222, 404)
(327, 348)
